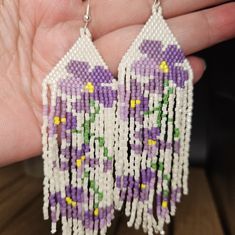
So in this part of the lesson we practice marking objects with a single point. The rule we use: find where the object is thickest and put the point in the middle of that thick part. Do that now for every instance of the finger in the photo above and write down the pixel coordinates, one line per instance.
(198, 66)
(194, 32)
(108, 16)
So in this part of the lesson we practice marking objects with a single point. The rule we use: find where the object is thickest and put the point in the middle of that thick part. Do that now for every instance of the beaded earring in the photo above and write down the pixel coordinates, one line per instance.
(79, 102)
(155, 94)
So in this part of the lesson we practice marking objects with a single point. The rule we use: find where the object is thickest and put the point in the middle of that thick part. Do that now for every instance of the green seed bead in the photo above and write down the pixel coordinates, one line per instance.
(75, 131)
(161, 166)
(92, 184)
(165, 193)
(86, 135)
(166, 83)
(100, 196)
(165, 99)
(166, 177)
(147, 112)
(92, 117)
(96, 205)
(154, 166)
(101, 141)
(159, 122)
(92, 103)
(86, 174)
(87, 124)
(171, 90)
(106, 152)
(176, 133)
(97, 110)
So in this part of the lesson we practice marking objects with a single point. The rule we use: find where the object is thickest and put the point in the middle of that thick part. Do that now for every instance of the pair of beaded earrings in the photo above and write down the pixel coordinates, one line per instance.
(111, 142)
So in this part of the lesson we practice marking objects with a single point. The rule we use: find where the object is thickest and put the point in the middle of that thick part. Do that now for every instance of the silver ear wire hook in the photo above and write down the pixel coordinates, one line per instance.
(87, 16)
(156, 5)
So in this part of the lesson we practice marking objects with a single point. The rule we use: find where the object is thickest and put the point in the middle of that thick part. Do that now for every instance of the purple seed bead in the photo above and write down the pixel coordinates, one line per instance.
(125, 181)
(118, 181)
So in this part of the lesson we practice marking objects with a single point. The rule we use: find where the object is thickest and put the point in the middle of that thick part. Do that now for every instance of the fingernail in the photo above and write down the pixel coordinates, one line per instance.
(204, 64)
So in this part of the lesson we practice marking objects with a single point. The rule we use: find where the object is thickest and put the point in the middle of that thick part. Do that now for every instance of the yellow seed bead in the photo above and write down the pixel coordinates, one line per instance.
(96, 212)
(164, 204)
(56, 120)
(164, 67)
(79, 162)
(133, 104)
(83, 158)
(89, 86)
(152, 142)
(138, 101)
(143, 186)
(63, 120)
(68, 200)
(74, 204)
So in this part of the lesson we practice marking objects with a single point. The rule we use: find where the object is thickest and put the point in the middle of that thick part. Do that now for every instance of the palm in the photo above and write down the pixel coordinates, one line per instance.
(47, 29)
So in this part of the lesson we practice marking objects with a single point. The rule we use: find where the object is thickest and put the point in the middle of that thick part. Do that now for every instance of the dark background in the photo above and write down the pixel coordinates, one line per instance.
(213, 134)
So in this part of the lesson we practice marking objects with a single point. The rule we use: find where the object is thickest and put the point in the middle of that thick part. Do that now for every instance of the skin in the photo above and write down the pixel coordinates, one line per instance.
(35, 34)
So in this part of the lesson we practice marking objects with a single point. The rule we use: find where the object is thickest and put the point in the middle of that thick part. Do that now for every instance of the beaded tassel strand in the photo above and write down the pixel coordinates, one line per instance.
(154, 107)
(79, 98)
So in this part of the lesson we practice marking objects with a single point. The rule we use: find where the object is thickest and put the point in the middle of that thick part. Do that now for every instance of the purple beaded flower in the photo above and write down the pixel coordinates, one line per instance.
(157, 61)
(133, 102)
(149, 137)
(95, 82)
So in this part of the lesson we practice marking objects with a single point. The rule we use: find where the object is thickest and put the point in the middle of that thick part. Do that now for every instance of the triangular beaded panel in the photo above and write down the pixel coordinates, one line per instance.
(154, 122)
(79, 104)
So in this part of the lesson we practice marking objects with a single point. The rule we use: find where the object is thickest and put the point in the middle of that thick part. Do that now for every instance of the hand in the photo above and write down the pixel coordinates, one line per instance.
(35, 34)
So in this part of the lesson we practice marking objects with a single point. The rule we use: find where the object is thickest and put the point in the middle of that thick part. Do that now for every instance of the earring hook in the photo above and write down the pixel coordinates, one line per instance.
(156, 2)
(156, 6)
(87, 16)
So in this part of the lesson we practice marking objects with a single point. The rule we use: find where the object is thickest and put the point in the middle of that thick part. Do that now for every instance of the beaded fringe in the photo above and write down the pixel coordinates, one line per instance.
(109, 143)
(156, 169)
(79, 103)
(154, 109)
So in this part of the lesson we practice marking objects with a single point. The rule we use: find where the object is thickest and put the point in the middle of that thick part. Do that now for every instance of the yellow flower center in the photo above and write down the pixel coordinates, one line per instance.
(89, 87)
(134, 103)
(96, 212)
(152, 142)
(164, 204)
(164, 67)
(143, 186)
(63, 120)
(70, 201)
(74, 204)
(83, 158)
(56, 120)
(79, 161)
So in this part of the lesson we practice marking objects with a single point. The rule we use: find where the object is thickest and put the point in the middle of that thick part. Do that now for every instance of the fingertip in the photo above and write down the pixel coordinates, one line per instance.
(199, 66)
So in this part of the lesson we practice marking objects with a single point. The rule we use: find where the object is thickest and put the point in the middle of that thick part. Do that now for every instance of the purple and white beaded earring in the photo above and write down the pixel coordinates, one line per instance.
(155, 94)
(79, 100)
